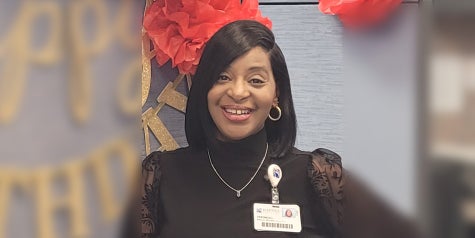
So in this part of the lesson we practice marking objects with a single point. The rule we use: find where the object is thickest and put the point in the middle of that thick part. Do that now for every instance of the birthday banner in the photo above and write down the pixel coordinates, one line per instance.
(71, 73)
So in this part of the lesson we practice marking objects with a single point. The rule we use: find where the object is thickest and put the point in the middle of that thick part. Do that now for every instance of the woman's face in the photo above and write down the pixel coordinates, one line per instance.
(240, 100)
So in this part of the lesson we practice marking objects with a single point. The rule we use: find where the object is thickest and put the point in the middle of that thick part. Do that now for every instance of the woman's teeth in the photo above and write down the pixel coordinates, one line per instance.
(238, 111)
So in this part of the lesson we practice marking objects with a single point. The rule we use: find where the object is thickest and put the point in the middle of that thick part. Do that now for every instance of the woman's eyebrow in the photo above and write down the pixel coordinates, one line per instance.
(257, 68)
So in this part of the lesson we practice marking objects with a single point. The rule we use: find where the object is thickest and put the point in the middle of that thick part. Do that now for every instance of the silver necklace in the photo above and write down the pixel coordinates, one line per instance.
(238, 191)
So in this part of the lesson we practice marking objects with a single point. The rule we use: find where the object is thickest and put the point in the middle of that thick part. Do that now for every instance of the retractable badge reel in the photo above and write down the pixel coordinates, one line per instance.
(274, 172)
(276, 217)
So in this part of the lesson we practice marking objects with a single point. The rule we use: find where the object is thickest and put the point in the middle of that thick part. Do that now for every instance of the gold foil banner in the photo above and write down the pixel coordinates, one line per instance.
(169, 96)
(172, 98)
(147, 56)
(150, 119)
(40, 182)
(17, 52)
(83, 51)
(128, 97)
(68, 41)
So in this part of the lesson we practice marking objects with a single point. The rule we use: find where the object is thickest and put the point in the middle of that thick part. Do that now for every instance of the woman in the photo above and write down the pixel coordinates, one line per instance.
(240, 119)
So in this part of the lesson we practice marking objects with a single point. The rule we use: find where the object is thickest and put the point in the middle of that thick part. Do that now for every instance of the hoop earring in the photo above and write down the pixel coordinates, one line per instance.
(279, 112)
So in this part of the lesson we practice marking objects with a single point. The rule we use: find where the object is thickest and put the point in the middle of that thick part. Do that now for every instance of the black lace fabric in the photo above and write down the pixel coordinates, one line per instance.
(150, 194)
(326, 176)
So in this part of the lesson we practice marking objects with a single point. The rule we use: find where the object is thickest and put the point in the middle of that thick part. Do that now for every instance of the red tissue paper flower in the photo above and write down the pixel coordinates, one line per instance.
(179, 29)
(358, 13)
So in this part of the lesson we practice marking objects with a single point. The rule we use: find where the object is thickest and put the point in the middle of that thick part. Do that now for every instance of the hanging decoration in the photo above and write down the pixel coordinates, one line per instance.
(359, 13)
(150, 120)
(179, 29)
(147, 55)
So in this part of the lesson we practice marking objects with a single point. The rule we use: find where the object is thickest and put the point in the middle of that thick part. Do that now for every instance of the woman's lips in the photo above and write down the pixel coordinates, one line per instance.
(237, 114)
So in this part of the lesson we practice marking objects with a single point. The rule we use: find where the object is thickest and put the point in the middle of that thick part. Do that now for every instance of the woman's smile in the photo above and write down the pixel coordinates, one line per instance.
(237, 113)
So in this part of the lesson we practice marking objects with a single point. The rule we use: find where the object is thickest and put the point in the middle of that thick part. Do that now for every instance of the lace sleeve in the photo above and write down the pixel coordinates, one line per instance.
(326, 177)
(150, 196)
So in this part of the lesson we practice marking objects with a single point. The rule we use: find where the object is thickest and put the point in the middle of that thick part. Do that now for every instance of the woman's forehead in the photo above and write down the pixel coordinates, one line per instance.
(256, 59)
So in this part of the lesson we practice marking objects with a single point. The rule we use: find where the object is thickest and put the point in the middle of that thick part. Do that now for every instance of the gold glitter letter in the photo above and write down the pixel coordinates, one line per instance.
(128, 155)
(73, 201)
(5, 189)
(80, 81)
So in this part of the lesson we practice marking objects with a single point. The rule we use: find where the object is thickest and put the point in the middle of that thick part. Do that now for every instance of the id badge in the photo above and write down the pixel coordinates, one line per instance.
(277, 217)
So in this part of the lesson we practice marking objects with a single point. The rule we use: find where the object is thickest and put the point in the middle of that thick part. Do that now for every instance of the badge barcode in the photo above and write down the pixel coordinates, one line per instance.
(277, 225)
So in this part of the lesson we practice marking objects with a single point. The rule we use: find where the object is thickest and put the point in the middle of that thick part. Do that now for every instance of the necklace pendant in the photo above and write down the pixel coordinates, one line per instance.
(238, 194)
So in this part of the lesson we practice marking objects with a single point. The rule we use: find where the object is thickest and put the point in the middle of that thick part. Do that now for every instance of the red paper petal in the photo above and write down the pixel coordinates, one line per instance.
(161, 57)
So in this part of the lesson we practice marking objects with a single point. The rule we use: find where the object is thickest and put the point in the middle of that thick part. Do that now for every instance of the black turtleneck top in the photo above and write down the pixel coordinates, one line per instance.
(194, 202)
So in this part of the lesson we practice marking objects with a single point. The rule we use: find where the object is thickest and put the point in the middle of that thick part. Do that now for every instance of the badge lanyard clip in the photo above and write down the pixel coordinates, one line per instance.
(275, 174)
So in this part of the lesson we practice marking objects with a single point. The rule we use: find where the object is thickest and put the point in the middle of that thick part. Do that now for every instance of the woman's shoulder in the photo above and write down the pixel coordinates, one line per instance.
(321, 162)
(327, 179)
(327, 176)
(157, 158)
(320, 157)
(175, 158)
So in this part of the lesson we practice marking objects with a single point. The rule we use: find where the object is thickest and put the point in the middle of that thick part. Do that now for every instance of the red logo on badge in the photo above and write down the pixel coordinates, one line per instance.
(288, 213)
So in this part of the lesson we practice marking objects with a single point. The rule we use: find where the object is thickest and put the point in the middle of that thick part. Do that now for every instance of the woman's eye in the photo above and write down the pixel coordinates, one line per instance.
(223, 78)
(256, 81)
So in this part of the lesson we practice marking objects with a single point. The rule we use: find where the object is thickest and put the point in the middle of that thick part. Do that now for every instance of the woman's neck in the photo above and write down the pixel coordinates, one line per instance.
(251, 148)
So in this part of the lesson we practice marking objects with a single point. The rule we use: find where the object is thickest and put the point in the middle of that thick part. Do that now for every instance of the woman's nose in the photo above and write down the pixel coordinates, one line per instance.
(238, 90)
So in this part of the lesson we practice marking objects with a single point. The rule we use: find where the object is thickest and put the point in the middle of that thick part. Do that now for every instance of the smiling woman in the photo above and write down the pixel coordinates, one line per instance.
(241, 176)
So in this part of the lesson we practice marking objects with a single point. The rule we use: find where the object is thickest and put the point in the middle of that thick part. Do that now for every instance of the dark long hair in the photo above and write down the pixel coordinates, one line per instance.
(230, 42)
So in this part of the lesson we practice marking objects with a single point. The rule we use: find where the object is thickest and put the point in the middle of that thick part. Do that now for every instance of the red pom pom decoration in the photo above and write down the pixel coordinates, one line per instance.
(358, 13)
(179, 29)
